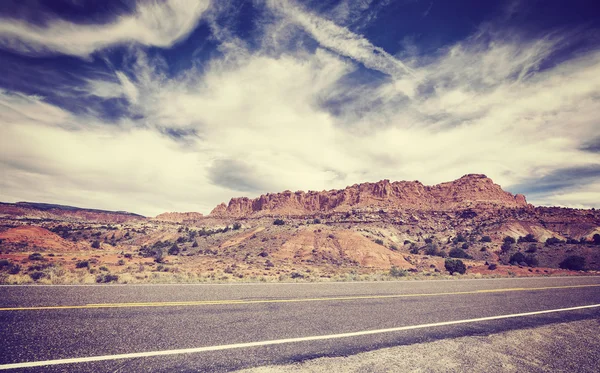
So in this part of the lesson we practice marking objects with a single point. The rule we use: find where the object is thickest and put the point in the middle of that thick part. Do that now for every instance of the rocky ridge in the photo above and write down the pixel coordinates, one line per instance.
(470, 191)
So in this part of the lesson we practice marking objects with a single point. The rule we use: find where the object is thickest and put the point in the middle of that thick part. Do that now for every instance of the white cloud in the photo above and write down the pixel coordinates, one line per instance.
(154, 23)
(269, 120)
(340, 39)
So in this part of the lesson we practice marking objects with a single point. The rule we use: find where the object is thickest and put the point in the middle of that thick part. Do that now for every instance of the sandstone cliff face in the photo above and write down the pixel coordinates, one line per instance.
(179, 217)
(470, 191)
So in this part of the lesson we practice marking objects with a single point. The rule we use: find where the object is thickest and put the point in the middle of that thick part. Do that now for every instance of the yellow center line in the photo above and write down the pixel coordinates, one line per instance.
(293, 300)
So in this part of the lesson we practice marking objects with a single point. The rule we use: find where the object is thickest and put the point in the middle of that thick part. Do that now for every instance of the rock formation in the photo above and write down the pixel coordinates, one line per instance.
(470, 191)
(179, 217)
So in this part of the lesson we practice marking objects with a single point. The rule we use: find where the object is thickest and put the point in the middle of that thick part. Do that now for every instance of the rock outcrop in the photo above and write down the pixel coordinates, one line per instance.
(470, 191)
(179, 217)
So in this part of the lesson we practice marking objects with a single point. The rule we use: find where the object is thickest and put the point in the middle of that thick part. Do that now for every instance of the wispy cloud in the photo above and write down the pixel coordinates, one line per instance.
(318, 115)
(154, 23)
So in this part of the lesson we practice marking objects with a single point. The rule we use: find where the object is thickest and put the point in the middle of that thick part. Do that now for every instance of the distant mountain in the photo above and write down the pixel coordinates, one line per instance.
(36, 210)
(470, 191)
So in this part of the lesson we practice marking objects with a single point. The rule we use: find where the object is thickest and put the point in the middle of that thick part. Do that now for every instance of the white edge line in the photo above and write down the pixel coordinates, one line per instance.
(277, 341)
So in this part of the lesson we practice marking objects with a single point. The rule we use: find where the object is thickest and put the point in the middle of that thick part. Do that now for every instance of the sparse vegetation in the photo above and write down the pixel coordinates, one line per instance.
(278, 222)
(459, 253)
(397, 272)
(96, 244)
(486, 239)
(379, 241)
(528, 238)
(552, 241)
(106, 278)
(236, 226)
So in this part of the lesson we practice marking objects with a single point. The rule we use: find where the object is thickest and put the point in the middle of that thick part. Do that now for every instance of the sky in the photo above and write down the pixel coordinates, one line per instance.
(179, 105)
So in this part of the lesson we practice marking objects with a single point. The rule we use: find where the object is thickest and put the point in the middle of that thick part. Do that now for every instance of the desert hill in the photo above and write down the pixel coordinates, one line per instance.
(365, 230)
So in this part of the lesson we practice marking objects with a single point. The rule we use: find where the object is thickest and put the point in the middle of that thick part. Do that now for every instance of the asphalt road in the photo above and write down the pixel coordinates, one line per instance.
(49, 323)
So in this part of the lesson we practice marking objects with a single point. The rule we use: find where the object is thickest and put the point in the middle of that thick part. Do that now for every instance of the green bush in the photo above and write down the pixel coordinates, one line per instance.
(552, 241)
(506, 247)
(174, 250)
(459, 253)
(531, 249)
(106, 278)
(509, 239)
(82, 264)
(397, 272)
(528, 238)
(36, 256)
(573, 262)
(455, 266)
(36, 275)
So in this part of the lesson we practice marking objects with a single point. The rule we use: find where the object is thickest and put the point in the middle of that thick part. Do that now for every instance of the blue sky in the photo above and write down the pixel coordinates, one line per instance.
(178, 105)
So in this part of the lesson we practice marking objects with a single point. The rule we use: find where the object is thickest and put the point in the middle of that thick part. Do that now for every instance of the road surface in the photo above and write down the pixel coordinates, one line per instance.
(183, 328)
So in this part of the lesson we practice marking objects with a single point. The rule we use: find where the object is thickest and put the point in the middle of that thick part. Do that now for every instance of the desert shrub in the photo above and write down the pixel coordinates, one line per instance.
(517, 258)
(263, 254)
(486, 239)
(106, 278)
(96, 244)
(506, 247)
(407, 242)
(432, 250)
(195, 244)
(82, 264)
(236, 226)
(14, 269)
(596, 239)
(465, 246)
(128, 256)
(397, 272)
(572, 241)
(4, 263)
(174, 250)
(121, 262)
(528, 238)
(393, 247)
(531, 249)
(459, 238)
(509, 239)
(428, 240)
(103, 268)
(531, 260)
(459, 253)
(455, 266)
(278, 222)
(552, 241)
(296, 275)
(379, 241)
(573, 262)
(414, 249)
(317, 221)
(181, 239)
(492, 266)
(36, 275)
(36, 256)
